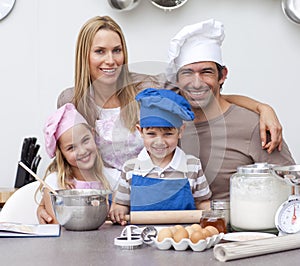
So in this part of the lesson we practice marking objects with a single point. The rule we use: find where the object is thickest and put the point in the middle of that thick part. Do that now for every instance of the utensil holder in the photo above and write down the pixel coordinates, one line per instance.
(23, 177)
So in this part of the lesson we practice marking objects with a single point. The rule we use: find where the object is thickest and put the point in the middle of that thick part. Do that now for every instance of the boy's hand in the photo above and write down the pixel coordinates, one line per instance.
(203, 205)
(118, 213)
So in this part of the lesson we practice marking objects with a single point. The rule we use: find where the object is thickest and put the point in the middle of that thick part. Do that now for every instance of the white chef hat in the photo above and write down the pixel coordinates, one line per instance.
(194, 43)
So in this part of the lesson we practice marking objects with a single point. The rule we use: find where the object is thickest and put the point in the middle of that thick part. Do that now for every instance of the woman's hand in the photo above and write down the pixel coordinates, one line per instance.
(118, 212)
(269, 123)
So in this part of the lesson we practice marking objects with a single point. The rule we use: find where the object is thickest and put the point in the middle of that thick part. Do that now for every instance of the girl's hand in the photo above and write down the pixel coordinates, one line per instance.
(43, 216)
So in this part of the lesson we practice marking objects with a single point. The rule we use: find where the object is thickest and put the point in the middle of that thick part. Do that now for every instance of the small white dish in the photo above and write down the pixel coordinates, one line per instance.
(245, 236)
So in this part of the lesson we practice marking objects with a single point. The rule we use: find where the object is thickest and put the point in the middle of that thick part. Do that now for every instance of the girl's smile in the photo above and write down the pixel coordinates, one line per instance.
(79, 147)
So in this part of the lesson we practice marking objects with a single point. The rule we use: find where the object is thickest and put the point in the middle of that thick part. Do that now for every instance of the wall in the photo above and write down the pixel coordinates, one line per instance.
(37, 42)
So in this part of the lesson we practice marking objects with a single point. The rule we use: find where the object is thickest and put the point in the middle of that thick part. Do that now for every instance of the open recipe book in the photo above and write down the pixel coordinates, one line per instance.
(8, 229)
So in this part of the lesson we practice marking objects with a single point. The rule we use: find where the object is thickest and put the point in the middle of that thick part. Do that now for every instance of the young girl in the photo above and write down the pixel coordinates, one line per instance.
(77, 163)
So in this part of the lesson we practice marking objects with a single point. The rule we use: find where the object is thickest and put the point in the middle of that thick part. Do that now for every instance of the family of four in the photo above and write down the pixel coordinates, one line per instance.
(155, 148)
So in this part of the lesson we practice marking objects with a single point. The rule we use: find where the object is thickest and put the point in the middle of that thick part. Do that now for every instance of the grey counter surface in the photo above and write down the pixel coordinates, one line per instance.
(97, 248)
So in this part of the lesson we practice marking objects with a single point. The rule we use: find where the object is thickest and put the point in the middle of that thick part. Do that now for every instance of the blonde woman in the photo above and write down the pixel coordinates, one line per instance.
(104, 91)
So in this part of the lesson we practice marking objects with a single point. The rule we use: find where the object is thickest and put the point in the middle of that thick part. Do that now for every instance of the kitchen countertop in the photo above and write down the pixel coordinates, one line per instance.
(97, 248)
(5, 193)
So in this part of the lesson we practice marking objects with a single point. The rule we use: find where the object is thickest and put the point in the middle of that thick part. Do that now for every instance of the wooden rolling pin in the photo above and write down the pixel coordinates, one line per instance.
(164, 217)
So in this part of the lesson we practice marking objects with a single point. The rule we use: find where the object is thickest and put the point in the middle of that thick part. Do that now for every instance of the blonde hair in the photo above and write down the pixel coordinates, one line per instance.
(64, 171)
(126, 90)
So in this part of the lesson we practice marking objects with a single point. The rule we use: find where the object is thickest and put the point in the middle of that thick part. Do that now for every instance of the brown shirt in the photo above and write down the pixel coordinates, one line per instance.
(226, 142)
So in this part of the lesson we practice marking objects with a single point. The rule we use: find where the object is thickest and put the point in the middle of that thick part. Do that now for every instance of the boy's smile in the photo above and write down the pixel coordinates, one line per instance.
(160, 143)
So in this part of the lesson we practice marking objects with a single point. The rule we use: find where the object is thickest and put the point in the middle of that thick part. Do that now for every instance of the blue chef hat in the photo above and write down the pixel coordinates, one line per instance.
(163, 108)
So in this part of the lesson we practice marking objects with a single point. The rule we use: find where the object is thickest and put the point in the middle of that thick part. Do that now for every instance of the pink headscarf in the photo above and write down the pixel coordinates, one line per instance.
(63, 119)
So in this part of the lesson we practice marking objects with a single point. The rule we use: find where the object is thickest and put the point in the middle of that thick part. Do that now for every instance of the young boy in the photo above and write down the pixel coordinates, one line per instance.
(162, 177)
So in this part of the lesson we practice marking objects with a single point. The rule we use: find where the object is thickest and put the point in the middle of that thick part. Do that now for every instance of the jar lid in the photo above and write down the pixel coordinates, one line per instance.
(254, 168)
(213, 213)
(220, 204)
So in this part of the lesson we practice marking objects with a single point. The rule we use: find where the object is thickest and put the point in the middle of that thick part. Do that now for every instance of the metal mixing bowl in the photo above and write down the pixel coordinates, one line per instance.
(123, 5)
(80, 209)
(290, 173)
(291, 8)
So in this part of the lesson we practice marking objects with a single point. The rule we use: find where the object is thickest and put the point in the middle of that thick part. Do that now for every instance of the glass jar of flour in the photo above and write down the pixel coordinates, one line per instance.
(255, 196)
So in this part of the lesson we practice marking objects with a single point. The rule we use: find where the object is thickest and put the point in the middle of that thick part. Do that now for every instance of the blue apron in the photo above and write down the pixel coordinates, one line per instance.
(154, 194)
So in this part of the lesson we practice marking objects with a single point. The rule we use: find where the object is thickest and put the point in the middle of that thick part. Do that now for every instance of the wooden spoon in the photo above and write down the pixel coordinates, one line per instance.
(37, 178)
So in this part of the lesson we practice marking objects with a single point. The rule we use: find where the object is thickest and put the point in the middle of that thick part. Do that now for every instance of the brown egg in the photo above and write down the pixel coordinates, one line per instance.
(196, 227)
(190, 230)
(206, 232)
(173, 229)
(180, 234)
(196, 236)
(164, 233)
(213, 230)
(178, 226)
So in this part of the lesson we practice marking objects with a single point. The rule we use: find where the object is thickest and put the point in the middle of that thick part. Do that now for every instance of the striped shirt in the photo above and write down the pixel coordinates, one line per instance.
(181, 166)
